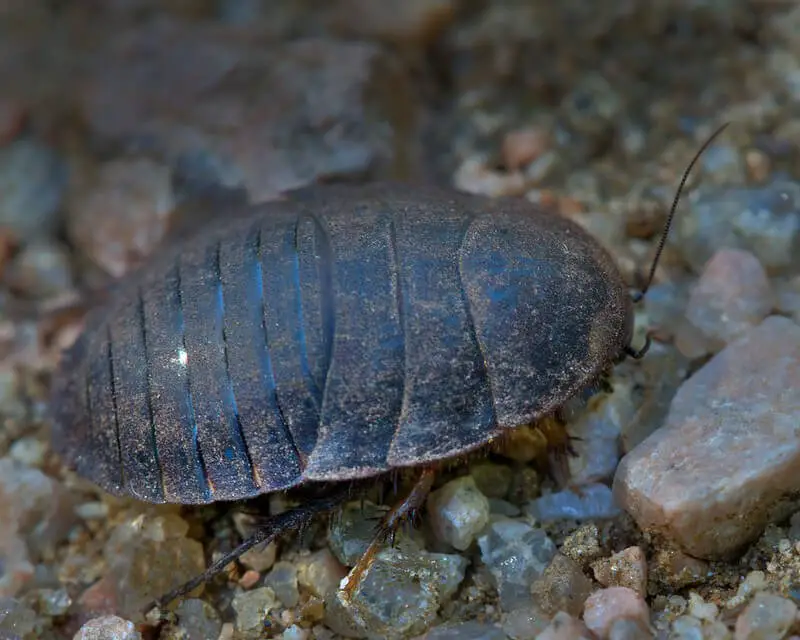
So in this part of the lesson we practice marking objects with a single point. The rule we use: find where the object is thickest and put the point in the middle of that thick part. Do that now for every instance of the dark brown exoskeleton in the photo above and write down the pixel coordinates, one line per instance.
(342, 334)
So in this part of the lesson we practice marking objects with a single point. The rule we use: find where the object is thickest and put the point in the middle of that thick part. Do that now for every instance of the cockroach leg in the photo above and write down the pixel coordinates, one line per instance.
(402, 512)
(271, 527)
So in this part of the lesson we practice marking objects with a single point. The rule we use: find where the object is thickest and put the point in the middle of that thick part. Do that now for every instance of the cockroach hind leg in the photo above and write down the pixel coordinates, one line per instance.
(270, 528)
(403, 512)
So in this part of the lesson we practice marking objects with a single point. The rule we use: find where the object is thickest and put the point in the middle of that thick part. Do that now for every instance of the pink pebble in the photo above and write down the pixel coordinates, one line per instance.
(605, 606)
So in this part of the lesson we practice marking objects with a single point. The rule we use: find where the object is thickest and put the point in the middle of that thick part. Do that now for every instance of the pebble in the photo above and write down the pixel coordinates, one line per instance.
(149, 556)
(764, 220)
(260, 558)
(108, 628)
(565, 627)
(583, 544)
(400, 594)
(118, 214)
(35, 512)
(732, 295)
(16, 617)
(470, 630)
(283, 580)
(28, 451)
(198, 619)
(598, 429)
(562, 587)
(767, 616)
(33, 181)
(320, 573)
(523, 146)
(493, 480)
(628, 568)
(41, 269)
(353, 529)
(526, 623)
(709, 478)
(605, 606)
(458, 512)
(516, 555)
(592, 502)
(631, 629)
(252, 608)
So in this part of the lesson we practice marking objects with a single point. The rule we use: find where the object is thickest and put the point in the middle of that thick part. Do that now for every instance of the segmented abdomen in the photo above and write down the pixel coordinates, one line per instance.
(327, 340)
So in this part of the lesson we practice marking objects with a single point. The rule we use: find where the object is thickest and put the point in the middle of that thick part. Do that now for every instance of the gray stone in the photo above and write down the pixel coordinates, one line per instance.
(108, 628)
(283, 580)
(458, 512)
(767, 616)
(590, 502)
(198, 619)
(33, 179)
(400, 594)
(516, 554)
(764, 220)
(252, 608)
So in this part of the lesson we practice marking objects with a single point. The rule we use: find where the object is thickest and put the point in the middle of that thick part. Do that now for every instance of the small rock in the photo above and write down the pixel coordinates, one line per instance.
(28, 451)
(464, 631)
(628, 568)
(399, 594)
(253, 607)
(295, 633)
(493, 480)
(674, 569)
(631, 629)
(732, 296)
(702, 610)
(598, 431)
(516, 555)
(593, 502)
(523, 146)
(42, 269)
(260, 558)
(53, 602)
(35, 512)
(33, 180)
(198, 619)
(711, 477)
(503, 508)
(320, 573)
(764, 220)
(16, 618)
(119, 215)
(108, 628)
(525, 624)
(149, 556)
(767, 616)
(249, 579)
(458, 512)
(353, 529)
(606, 606)
(283, 580)
(565, 627)
(583, 545)
(562, 587)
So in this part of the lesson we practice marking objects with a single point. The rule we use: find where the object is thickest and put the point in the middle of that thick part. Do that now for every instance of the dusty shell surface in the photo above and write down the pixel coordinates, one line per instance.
(125, 123)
